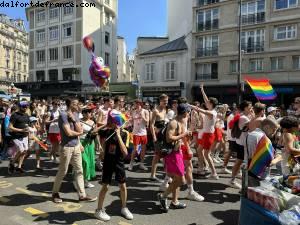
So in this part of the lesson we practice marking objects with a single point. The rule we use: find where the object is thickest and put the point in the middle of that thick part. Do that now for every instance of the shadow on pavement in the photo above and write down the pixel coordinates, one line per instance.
(229, 217)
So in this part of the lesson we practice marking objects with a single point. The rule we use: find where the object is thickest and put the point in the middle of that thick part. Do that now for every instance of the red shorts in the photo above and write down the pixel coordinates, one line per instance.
(207, 140)
(218, 134)
(185, 153)
(200, 142)
(140, 140)
(195, 133)
(54, 138)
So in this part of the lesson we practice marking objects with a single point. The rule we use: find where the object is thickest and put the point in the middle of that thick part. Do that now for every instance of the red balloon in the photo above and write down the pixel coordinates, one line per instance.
(88, 43)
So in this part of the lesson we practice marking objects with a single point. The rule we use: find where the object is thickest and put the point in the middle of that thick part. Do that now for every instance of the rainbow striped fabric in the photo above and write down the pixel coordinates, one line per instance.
(262, 156)
(118, 118)
(262, 88)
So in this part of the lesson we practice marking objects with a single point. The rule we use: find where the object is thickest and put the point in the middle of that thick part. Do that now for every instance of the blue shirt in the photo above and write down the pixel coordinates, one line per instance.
(63, 119)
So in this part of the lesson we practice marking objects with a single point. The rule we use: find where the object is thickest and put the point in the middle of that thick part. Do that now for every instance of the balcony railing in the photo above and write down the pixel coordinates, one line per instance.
(209, 76)
(253, 18)
(206, 2)
(209, 51)
(250, 47)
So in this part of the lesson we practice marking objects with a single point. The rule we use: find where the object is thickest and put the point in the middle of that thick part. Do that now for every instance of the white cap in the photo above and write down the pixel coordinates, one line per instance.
(271, 109)
(32, 119)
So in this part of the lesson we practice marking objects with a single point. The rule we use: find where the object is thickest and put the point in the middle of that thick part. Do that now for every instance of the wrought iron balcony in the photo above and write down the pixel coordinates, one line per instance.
(209, 51)
(252, 46)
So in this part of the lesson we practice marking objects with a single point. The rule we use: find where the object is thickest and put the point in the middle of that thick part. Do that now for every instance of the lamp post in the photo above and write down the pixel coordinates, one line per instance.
(239, 78)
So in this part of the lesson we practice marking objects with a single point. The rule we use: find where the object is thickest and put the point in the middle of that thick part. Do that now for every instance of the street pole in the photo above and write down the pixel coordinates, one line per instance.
(239, 78)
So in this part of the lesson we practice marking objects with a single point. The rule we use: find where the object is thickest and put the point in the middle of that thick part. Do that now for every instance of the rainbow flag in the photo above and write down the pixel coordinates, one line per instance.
(118, 118)
(262, 156)
(262, 88)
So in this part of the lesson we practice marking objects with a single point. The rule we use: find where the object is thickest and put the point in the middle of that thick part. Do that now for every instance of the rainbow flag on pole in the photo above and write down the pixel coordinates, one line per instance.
(262, 156)
(262, 88)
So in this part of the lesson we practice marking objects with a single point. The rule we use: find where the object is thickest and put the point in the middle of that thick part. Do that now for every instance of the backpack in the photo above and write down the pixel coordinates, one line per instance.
(163, 146)
(236, 132)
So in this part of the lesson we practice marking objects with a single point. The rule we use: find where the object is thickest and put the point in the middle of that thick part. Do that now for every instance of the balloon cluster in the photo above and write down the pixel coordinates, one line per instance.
(99, 73)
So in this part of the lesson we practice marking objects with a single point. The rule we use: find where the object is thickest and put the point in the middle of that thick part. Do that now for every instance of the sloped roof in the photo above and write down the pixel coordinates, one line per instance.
(176, 45)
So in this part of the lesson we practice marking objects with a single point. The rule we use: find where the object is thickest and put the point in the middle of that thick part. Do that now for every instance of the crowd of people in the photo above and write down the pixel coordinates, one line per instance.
(97, 134)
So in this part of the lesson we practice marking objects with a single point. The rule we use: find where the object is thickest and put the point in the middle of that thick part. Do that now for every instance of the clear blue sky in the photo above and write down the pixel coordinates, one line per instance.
(136, 18)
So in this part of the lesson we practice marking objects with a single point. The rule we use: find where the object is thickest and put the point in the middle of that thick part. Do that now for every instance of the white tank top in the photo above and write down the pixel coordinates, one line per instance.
(209, 123)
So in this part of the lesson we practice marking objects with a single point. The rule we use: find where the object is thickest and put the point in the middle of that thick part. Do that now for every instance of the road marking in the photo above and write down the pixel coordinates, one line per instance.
(21, 220)
(124, 223)
(5, 184)
(24, 191)
(36, 212)
(4, 199)
(69, 206)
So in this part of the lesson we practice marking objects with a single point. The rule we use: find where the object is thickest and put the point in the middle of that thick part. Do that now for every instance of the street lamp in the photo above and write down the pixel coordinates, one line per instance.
(239, 78)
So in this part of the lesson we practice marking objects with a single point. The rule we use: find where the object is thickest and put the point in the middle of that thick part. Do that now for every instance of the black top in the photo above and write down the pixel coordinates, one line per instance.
(112, 146)
(19, 120)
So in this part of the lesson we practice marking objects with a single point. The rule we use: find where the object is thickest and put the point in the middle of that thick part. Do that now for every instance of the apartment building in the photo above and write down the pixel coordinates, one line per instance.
(122, 57)
(13, 52)
(57, 59)
(270, 44)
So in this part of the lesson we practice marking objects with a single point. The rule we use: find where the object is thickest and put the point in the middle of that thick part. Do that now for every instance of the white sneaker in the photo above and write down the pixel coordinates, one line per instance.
(219, 159)
(213, 177)
(130, 168)
(100, 214)
(143, 167)
(126, 213)
(194, 196)
(163, 187)
(239, 176)
(226, 171)
(215, 160)
(235, 185)
(88, 185)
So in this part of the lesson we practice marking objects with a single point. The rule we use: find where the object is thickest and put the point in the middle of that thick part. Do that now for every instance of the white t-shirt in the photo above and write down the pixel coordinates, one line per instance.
(32, 144)
(139, 125)
(242, 122)
(171, 115)
(229, 137)
(252, 142)
(54, 128)
(209, 124)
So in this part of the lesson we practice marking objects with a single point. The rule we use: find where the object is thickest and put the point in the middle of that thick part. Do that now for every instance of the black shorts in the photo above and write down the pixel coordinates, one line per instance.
(239, 149)
(110, 167)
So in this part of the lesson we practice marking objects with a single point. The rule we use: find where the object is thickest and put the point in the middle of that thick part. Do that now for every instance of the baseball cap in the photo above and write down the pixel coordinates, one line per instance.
(23, 104)
(271, 109)
(32, 119)
(183, 108)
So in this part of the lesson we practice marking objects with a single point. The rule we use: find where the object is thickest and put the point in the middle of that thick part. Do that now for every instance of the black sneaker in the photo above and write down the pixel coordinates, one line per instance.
(11, 168)
(56, 198)
(163, 202)
(39, 170)
(179, 205)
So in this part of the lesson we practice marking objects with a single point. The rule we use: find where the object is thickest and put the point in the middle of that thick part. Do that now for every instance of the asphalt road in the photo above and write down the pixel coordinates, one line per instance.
(25, 200)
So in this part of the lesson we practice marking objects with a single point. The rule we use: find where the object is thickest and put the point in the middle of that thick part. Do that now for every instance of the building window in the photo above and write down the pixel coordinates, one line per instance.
(40, 76)
(253, 41)
(107, 18)
(53, 54)
(253, 12)
(53, 75)
(53, 33)
(41, 16)
(206, 71)
(206, 2)
(107, 2)
(150, 72)
(7, 63)
(234, 66)
(19, 57)
(67, 52)
(285, 32)
(285, 4)
(170, 70)
(53, 13)
(19, 66)
(106, 59)
(256, 65)
(296, 62)
(40, 36)
(67, 30)
(7, 76)
(19, 78)
(277, 63)
(40, 56)
(107, 37)
(207, 46)
(25, 68)
(7, 53)
(68, 11)
(25, 78)
(208, 19)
